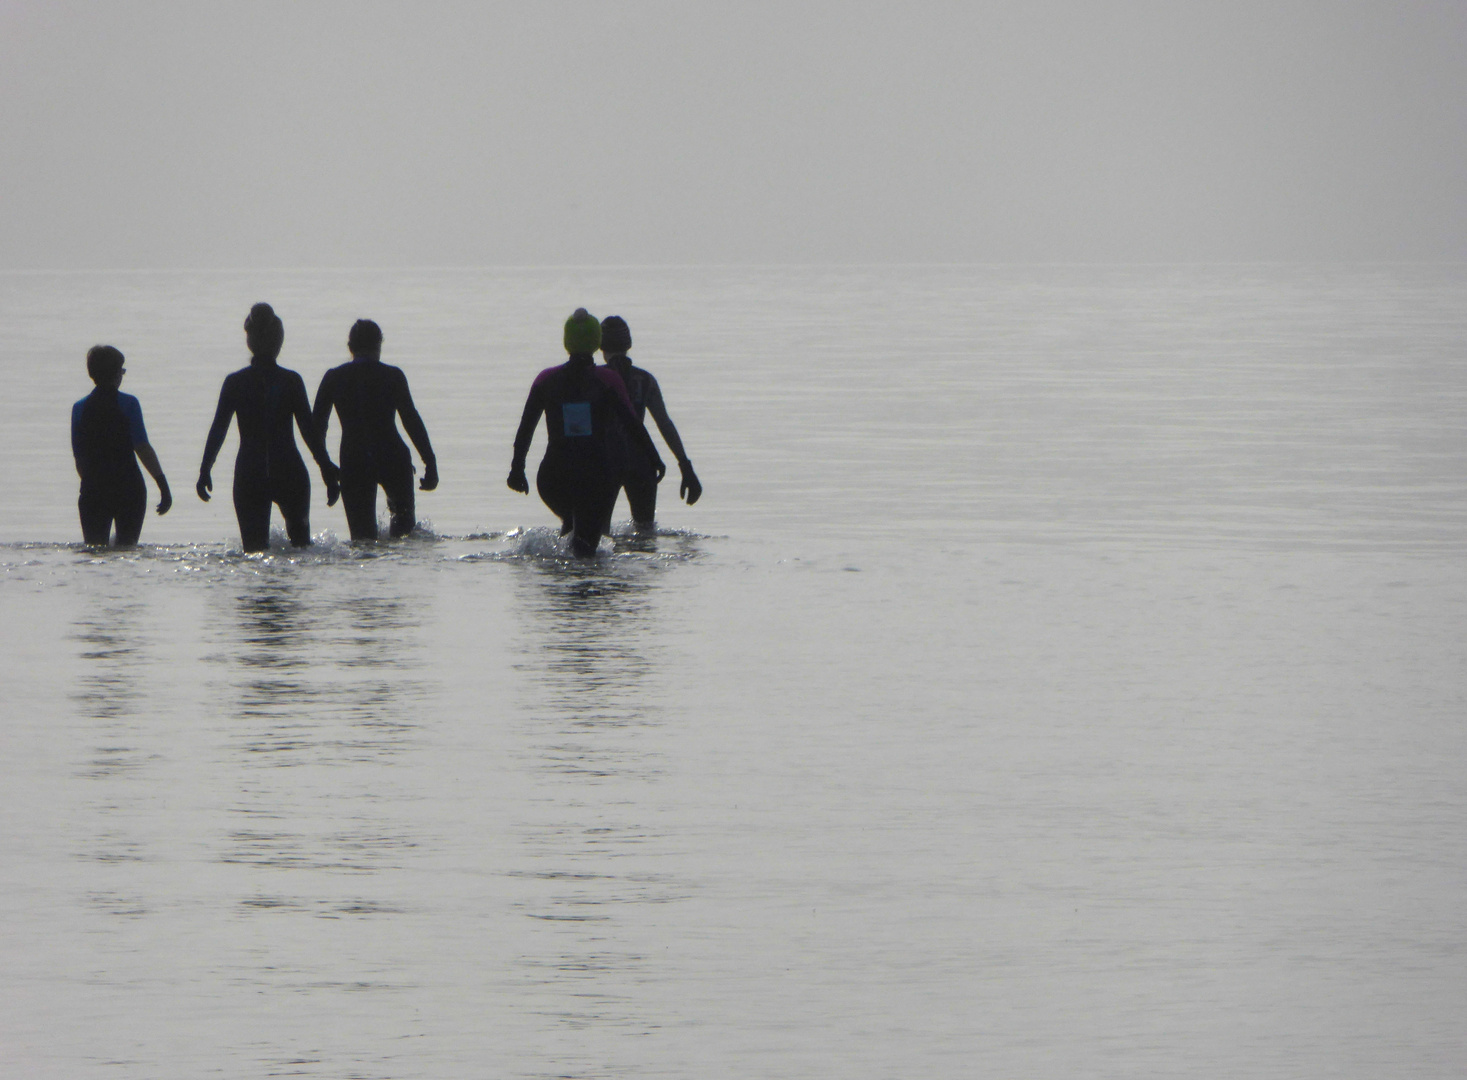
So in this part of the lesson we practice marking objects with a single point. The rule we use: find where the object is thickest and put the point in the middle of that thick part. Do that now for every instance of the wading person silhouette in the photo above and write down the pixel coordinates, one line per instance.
(641, 476)
(368, 396)
(589, 425)
(267, 399)
(107, 441)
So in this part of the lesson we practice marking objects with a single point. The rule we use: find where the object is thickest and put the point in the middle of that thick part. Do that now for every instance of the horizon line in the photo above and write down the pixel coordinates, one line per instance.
(438, 268)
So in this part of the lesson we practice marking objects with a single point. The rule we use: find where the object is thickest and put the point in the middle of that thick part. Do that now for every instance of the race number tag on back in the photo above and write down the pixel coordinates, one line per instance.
(576, 415)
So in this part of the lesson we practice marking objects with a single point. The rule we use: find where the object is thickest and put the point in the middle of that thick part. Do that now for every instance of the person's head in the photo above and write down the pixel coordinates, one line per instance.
(264, 332)
(616, 336)
(582, 333)
(104, 365)
(365, 338)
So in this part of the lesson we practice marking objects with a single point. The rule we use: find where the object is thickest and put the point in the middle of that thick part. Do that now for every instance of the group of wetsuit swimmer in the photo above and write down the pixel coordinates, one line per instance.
(594, 419)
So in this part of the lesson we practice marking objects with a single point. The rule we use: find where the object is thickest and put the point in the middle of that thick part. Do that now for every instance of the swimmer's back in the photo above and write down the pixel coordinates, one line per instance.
(367, 396)
(106, 426)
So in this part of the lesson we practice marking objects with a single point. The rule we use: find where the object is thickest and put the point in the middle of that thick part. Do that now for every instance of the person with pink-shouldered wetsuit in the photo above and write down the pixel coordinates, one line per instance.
(590, 426)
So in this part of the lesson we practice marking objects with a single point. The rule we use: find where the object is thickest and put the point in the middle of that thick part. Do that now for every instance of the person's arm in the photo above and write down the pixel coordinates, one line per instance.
(222, 415)
(301, 408)
(529, 419)
(132, 410)
(417, 431)
(644, 437)
(637, 429)
(325, 400)
(664, 422)
(76, 437)
(149, 459)
(690, 489)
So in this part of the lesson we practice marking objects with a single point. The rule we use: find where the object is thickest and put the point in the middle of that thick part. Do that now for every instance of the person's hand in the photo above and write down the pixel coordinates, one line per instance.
(517, 480)
(165, 499)
(331, 475)
(430, 477)
(660, 468)
(205, 485)
(690, 489)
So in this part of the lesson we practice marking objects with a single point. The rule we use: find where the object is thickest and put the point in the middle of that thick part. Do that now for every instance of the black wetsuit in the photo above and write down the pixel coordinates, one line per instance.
(112, 488)
(590, 426)
(368, 395)
(267, 400)
(641, 477)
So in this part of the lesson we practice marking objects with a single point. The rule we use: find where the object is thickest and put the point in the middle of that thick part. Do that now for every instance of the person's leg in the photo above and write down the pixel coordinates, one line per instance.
(96, 517)
(359, 498)
(298, 527)
(401, 501)
(595, 496)
(252, 510)
(585, 533)
(295, 508)
(641, 488)
(292, 493)
(130, 509)
(552, 482)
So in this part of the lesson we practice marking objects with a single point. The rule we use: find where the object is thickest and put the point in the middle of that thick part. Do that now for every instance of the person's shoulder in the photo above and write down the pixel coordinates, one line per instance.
(611, 377)
(546, 375)
(132, 410)
(131, 407)
(292, 379)
(637, 376)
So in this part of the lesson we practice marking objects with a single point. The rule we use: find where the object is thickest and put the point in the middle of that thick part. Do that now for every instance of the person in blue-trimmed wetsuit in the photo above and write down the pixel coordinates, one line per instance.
(108, 440)
(590, 426)
(268, 400)
(642, 478)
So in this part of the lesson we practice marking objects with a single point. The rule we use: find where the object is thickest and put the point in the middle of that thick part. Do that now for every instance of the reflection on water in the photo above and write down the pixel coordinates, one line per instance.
(592, 856)
(109, 697)
(274, 630)
(590, 631)
(321, 704)
(325, 679)
(109, 689)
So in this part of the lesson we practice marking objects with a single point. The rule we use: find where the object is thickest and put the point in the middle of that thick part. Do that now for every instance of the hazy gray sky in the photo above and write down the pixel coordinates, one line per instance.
(367, 134)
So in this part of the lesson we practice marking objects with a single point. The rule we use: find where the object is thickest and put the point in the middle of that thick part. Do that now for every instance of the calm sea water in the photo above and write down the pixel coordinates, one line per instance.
(1063, 675)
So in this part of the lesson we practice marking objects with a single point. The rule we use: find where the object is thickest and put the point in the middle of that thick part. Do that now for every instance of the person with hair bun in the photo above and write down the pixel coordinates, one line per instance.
(646, 395)
(266, 399)
(107, 442)
(589, 423)
(369, 396)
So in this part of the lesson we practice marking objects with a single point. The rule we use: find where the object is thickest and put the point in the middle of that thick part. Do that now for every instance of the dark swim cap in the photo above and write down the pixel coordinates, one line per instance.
(582, 332)
(103, 362)
(616, 336)
(263, 329)
(365, 336)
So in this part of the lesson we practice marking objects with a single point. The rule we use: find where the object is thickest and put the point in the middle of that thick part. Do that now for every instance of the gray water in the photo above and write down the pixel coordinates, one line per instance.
(1062, 676)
